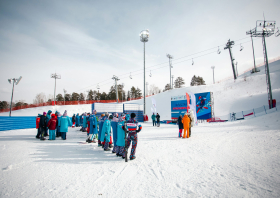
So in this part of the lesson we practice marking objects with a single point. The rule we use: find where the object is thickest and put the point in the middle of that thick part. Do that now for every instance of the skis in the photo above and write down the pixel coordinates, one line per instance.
(125, 139)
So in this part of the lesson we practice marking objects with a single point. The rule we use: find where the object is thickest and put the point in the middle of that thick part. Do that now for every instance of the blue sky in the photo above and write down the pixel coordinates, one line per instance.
(88, 42)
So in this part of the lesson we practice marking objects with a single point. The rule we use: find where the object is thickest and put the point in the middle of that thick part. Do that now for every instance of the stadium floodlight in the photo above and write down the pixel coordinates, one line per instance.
(55, 76)
(144, 37)
(14, 81)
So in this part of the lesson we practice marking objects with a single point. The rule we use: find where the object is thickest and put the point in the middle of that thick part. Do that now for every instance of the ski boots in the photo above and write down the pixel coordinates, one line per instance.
(132, 158)
(107, 149)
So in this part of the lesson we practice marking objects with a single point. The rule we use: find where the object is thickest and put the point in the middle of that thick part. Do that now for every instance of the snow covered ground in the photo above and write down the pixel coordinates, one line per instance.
(236, 159)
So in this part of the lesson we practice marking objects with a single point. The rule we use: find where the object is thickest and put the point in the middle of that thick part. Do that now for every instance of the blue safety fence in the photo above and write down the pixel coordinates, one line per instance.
(17, 122)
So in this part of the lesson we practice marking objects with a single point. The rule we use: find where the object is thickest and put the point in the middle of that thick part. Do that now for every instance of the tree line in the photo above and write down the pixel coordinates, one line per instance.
(111, 95)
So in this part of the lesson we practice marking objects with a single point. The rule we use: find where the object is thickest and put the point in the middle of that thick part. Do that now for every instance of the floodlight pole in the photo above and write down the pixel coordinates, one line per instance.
(213, 67)
(144, 37)
(172, 80)
(55, 76)
(64, 95)
(228, 46)
(12, 97)
(170, 57)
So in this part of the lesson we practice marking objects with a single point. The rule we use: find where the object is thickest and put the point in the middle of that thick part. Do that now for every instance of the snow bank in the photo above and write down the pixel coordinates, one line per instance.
(237, 159)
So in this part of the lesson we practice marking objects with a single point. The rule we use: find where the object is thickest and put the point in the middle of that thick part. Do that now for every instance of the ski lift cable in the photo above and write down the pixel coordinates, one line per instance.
(167, 63)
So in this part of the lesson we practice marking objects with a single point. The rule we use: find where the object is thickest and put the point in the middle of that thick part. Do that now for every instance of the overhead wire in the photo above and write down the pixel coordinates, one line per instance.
(191, 55)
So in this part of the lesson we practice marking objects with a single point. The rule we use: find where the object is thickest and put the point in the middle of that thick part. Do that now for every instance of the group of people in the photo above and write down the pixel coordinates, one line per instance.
(185, 123)
(156, 119)
(107, 130)
(52, 125)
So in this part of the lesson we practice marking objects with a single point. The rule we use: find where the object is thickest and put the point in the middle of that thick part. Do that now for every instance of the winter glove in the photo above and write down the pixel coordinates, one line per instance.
(94, 126)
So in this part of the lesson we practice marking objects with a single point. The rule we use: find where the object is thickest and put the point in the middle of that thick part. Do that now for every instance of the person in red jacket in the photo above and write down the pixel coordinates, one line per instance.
(52, 126)
(37, 126)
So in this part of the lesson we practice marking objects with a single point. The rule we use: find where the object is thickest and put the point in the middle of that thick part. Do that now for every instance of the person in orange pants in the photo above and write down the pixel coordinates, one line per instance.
(186, 123)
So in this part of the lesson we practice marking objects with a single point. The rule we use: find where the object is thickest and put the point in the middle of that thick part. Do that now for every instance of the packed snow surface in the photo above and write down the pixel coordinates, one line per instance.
(236, 159)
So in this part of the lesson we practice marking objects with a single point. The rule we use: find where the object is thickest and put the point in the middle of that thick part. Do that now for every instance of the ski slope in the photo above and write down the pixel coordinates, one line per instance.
(236, 159)
(233, 159)
(229, 96)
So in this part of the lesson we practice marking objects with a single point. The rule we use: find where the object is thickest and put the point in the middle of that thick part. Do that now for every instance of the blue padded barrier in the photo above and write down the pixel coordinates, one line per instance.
(17, 122)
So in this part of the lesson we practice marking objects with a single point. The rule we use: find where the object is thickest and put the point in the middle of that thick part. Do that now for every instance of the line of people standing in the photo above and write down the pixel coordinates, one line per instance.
(52, 125)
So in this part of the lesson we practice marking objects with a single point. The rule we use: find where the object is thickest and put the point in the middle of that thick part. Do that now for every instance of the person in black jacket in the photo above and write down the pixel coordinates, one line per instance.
(43, 125)
(158, 120)
(73, 120)
(181, 126)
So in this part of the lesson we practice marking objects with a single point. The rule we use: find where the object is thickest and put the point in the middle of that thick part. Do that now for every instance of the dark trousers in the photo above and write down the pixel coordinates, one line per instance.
(190, 131)
(63, 135)
(158, 123)
(58, 134)
(154, 123)
(38, 133)
(43, 132)
(46, 132)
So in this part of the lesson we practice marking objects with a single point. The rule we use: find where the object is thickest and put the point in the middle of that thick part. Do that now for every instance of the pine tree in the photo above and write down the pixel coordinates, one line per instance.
(59, 97)
(196, 81)
(75, 96)
(90, 95)
(167, 87)
(81, 97)
(68, 97)
(179, 82)
(138, 93)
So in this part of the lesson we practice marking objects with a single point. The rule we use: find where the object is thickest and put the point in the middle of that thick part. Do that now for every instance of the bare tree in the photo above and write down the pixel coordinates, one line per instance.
(154, 90)
(39, 98)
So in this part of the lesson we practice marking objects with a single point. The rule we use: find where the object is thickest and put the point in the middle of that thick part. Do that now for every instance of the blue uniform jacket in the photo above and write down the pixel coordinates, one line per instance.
(92, 121)
(84, 121)
(64, 123)
(121, 135)
(106, 129)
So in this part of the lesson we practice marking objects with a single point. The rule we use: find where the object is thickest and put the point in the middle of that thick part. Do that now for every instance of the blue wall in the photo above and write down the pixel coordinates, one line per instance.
(17, 122)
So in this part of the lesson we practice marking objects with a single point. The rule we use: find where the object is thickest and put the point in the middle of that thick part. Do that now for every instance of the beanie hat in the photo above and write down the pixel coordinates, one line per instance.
(133, 115)
(65, 113)
(94, 111)
(44, 113)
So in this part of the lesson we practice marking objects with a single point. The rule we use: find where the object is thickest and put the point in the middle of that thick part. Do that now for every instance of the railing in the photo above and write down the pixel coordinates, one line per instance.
(245, 114)
(65, 103)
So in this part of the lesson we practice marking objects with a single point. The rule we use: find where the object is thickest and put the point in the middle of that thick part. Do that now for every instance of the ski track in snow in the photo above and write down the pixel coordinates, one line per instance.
(238, 159)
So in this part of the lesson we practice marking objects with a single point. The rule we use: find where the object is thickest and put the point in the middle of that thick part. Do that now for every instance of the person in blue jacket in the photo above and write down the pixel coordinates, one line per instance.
(48, 119)
(127, 117)
(100, 124)
(106, 132)
(64, 123)
(120, 143)
(77, 120)
(92, 127)
(84, 122)
(58, 134)
(114, 124)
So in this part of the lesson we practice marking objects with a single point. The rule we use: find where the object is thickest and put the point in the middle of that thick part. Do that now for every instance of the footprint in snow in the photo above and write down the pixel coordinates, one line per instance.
(7, 168)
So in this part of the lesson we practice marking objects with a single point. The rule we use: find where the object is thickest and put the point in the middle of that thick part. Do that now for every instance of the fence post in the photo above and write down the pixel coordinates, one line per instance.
(254, 112)
(264, 109)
